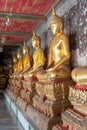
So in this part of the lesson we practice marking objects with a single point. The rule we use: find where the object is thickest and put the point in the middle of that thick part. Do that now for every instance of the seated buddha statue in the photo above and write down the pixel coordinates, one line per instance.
(26, 59)
(14, 66)
(20, 62)
(59, 54)
(12, 76)
(10, 70)
(79, 75)
(38, 56)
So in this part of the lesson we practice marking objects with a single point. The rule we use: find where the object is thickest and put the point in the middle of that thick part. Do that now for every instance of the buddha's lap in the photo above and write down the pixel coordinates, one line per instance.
(57, 73)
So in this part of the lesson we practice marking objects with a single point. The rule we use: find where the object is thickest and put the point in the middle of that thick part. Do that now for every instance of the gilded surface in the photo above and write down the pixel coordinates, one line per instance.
(26, 62)
(59, 55)
(38, 56)
(27, 59)
(78, 96)
(79, 75)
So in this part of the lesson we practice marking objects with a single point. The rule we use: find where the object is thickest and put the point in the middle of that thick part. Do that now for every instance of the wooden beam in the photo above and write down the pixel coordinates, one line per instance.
(12, 44)
(9, 47)
(16, 34)
(27, 17)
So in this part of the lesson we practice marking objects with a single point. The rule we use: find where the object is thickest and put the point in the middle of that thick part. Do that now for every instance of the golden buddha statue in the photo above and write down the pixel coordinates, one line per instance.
(38, 56)
(51, 98)
(26, 59)
(59, 55)
(10, 70)
(19, 64)
(79, 75)
(15, 64)
(11, 83)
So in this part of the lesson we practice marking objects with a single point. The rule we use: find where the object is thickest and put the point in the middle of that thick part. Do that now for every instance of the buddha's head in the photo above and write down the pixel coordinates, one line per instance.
(36, 41)
(57, 23)
(14, 59)
(19, 55)
(25, 49)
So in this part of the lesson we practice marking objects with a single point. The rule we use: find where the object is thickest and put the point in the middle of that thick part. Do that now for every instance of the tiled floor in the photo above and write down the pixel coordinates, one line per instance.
(8, 120)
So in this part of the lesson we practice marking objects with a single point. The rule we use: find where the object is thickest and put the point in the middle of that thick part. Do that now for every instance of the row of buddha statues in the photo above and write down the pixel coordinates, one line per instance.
(43, 92)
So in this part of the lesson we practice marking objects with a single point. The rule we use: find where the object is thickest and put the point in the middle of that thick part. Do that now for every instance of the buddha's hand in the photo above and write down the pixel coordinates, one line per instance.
(30, 75)
(49, 69)
(51, 76)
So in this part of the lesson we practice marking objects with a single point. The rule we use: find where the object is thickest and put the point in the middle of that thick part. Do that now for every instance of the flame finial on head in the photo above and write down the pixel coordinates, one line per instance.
(18, 50)
(24, 43)
(34, 34)
(53, 11)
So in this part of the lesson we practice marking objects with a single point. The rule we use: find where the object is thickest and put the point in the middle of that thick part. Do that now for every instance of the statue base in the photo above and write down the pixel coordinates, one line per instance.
(21, 103)
(14, 88)
(12, 95)
(42, 122)
(24, 99)
(74, 120)
(52, 97)
(79, 107)
(27, 93)
(50, 108)
(56, 90)
(78, 95)
(59, 127)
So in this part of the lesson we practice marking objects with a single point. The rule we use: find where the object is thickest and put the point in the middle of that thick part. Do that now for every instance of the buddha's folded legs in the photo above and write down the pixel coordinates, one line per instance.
(79, 75)
(56, 74)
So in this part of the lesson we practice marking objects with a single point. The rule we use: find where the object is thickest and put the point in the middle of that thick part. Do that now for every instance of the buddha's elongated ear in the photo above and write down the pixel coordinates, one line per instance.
(61, 27)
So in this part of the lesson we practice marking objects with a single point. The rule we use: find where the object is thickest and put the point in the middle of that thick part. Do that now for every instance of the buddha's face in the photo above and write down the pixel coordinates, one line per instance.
(34, 43)
(19, 57)
(25, 51)
(55, 27)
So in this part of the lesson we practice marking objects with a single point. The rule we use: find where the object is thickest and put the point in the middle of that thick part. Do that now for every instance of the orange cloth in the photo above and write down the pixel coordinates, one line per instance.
(26, 62)
(51, 49)
(38, 58)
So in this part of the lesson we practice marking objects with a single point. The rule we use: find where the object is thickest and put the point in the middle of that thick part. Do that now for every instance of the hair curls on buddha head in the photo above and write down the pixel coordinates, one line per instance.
(35, 37)
(56, 18)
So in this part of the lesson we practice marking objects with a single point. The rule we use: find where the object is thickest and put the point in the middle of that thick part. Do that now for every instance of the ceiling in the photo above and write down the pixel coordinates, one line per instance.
(25, 16)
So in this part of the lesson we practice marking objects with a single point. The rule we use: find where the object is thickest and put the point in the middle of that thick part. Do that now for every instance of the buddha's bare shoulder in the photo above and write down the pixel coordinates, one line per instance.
(40, 49)
(64, 36)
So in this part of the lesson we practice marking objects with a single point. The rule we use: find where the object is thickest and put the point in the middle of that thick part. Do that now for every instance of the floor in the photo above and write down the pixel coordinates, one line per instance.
(8, 121)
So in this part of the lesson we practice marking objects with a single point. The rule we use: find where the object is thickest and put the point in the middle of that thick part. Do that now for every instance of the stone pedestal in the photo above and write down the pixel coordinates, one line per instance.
(27, 93)
(52, 97)
(57, 127)
(76, 118)
(14, 88)
(41, 121)
(50, 100)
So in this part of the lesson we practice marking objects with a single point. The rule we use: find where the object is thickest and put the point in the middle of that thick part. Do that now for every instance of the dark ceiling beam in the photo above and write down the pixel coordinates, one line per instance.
(27, 17)
(9, 47)
(14, 44)
(17, 34)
